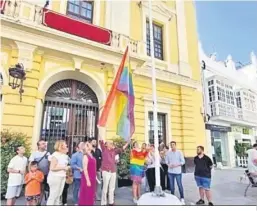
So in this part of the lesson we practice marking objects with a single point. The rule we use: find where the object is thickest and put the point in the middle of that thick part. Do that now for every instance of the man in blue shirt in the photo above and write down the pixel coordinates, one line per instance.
(77, 167)
(175, 160)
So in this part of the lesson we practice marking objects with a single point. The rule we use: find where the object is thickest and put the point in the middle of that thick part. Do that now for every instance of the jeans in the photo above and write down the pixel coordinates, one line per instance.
(178, 178)
(76, 185)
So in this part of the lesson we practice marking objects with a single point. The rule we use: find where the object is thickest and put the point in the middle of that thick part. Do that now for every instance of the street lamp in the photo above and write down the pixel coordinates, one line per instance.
(16, 78)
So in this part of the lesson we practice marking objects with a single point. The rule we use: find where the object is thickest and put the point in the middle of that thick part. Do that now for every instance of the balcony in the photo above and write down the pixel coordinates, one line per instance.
(30, 14)
(230, 113)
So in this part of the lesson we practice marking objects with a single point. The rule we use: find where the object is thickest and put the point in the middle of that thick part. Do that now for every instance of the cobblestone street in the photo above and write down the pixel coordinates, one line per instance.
(226, 189)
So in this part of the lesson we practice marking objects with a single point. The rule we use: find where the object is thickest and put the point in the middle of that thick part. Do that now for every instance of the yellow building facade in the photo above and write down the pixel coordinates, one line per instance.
(69, 73)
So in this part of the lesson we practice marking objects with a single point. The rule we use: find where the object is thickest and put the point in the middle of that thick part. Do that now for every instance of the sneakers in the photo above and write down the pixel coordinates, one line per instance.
(200, 202)
(135, 201)
(182, 201)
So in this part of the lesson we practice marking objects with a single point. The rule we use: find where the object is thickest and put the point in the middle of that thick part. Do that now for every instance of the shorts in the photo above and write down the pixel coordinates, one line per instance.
(31, 198)
(13, 191)
(203, 182)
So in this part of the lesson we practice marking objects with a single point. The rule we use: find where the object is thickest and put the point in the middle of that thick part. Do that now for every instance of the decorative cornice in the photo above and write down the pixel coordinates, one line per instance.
(160, 8)
(170, 77)
(233, 121)
(162, 100)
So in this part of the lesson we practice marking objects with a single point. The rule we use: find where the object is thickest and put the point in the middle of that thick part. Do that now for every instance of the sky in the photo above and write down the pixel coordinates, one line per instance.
(228, 27)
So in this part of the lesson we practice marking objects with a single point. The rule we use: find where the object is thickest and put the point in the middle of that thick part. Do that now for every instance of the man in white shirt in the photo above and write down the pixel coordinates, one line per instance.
(16, 170)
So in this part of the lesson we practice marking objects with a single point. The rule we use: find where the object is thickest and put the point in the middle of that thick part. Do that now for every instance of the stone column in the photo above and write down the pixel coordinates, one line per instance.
(37, 122)
(231, 150)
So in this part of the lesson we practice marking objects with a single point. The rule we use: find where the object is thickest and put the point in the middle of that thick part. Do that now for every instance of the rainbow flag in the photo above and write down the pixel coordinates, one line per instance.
(119, 107)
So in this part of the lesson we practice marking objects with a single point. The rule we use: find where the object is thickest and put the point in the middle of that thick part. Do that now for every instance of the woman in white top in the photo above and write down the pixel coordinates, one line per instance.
(57, 174)
(150, 172)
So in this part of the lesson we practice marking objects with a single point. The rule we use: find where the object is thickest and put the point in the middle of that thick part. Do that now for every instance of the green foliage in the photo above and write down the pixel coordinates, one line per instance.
(9, 142)
(241, 149)
(124, 163)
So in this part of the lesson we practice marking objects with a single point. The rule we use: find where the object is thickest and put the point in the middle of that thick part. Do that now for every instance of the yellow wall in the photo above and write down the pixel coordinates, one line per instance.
(19, 116)
(187, 126)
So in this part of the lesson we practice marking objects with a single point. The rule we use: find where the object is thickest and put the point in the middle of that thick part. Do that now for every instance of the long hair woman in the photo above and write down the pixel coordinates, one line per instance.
(150, 172)
(137, 161)
(57, 174)
(88, 177)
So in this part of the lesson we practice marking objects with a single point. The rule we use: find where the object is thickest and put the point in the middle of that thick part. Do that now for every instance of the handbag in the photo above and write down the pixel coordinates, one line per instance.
(69, 177)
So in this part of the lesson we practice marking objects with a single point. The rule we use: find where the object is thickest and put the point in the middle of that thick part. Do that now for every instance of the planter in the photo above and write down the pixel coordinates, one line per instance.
(124, 183)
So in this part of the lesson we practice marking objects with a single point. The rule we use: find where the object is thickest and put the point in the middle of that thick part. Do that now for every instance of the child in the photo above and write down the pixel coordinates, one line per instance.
(68, 182)
(33, 182)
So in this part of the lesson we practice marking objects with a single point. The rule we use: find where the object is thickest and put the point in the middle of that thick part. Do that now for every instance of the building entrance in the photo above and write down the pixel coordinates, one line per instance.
(70, 113)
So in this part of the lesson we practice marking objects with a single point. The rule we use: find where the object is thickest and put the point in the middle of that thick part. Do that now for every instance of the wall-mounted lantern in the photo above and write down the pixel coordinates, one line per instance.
(16, 77)
(203, 65)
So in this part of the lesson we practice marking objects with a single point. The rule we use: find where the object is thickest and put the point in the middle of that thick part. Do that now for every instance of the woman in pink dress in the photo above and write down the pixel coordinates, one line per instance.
(88, 178)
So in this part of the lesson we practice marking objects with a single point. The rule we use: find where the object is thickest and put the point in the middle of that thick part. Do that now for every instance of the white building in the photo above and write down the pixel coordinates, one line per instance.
(230, 103)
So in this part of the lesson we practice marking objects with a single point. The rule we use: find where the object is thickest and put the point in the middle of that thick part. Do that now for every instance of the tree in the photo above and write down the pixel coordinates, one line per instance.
(9, 142)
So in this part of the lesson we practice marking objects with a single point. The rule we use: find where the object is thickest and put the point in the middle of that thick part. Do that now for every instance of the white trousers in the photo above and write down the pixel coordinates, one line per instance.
(109, 181)
(56, 185)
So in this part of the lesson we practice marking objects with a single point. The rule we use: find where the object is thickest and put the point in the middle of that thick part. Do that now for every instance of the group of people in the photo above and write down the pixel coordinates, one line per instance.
(171, 161)
(92, 171)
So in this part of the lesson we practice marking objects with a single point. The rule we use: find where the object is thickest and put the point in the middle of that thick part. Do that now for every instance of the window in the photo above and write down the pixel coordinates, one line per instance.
(222, 110)
(221, 94)
(157, 41)
(213, 110)
(230, 111)
(230, 97)
(161, 127)
(238, 102)
(210, 82)
(253, 105)
(246, 131)
(211, 94)
(80, 10)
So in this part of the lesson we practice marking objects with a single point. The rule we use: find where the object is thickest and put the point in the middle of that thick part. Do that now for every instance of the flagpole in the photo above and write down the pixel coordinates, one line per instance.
(159, 197)
(158, 189)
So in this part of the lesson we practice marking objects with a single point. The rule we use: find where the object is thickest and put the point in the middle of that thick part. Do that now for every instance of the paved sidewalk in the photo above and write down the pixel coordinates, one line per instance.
(226, 189)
